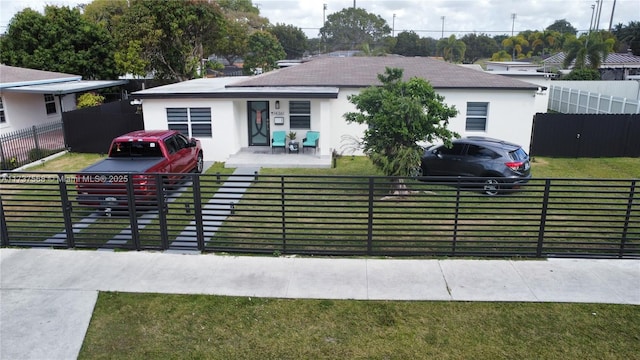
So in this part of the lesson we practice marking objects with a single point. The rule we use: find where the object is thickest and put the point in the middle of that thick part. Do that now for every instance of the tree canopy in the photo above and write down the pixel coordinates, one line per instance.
(350, 28)
(264, 53)
(293, 40)
(174, 35)
(61, 40)
(399, 114)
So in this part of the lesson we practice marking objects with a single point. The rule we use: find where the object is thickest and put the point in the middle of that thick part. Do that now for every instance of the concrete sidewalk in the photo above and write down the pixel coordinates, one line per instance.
(47, 296)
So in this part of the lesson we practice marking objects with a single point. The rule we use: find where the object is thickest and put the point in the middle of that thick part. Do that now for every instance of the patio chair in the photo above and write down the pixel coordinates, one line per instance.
(311, 140)
(278, 140)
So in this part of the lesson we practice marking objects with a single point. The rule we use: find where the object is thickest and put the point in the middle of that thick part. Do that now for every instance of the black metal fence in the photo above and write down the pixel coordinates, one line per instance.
(322, 215)
(24, 146)
(586, 135)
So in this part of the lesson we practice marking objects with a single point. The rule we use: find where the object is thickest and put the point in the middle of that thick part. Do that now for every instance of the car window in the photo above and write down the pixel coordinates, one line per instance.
(518, 155)
(481, 152)
(456, 149)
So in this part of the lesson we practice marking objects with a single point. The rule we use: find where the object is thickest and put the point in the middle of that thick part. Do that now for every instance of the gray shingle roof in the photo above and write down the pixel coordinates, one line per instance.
(363, 72)
(16, 76)
(613, 60)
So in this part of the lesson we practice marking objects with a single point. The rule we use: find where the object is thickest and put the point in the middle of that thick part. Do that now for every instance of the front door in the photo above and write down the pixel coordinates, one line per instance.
(258, 123)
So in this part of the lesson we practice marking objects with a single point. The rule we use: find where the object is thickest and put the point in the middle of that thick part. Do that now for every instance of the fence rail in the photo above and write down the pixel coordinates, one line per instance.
(21, 147)
(574, 101)
(325, 215)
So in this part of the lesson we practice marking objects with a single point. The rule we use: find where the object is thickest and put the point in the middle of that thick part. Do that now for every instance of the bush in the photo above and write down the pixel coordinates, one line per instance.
(582, 74)
(89, 99)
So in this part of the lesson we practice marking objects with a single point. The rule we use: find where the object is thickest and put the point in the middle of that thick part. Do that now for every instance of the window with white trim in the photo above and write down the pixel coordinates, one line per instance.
(477, 116)
(50, 103)
(300, 114)
(192, 122)
(2, 118)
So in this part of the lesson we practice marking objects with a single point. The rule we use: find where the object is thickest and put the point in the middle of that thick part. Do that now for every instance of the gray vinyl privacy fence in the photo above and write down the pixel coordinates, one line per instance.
(323, 215)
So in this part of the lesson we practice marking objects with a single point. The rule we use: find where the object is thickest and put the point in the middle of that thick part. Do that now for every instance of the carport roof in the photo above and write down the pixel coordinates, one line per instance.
(67, 87)
(23, 80)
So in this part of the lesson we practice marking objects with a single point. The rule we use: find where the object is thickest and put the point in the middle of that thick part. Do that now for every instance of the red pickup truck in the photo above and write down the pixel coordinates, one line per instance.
(138, 155)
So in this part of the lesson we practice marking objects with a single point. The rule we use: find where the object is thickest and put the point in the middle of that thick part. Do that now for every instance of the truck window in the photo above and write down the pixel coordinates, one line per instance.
(182, 141)
(135, 149)
(171, 145)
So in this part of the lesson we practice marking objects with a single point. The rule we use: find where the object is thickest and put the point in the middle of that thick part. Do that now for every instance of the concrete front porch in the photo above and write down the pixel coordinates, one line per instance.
(262, 156)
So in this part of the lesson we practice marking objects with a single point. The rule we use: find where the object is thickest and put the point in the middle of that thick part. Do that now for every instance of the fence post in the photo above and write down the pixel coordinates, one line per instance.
(162, 213)
(197, 209)
(283, 212)
(543, 217)
(4, 232)
(133, 218)
(35, 140)
(627, 218)
(66, 211)
(370, 218)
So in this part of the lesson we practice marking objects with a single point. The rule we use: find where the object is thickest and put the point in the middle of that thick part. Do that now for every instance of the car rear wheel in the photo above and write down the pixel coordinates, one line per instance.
(491, 187)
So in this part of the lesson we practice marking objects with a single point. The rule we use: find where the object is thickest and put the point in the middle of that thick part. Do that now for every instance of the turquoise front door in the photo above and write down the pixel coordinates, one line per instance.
(258, 123)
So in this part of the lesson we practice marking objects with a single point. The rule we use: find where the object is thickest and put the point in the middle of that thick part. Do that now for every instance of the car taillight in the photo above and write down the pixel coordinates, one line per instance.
(514, 165)
(140, 181)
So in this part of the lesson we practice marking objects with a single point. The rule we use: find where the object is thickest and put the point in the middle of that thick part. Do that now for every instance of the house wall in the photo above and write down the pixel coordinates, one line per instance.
(510, 113)
(25, 110)
(226, 130)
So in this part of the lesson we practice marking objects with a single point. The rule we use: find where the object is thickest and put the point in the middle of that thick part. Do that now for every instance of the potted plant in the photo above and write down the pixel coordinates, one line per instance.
(293, 144)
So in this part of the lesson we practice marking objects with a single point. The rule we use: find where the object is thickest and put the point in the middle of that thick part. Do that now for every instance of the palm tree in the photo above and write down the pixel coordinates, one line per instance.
(516, 44)
(452, 49)
(587, 51)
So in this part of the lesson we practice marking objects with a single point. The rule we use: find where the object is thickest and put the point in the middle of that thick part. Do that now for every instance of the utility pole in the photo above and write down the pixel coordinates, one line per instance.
(393, 26)
(442, 35)
(591, 22)
(613, 9)
(324, 21)
(513, 22)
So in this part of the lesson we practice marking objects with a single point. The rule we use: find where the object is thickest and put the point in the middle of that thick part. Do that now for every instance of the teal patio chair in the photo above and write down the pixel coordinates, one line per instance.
(311, 140)
(278, 140)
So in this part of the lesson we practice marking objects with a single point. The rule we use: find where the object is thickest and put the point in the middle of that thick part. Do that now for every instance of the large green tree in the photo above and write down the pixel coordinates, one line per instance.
(292, 39)
(175, 36)
(408, 44)
(628, 36)
(563, 27)
(399, 114)
(61, 40)
(264, 53)
(350, 28)
(478, 47)
(242, 18)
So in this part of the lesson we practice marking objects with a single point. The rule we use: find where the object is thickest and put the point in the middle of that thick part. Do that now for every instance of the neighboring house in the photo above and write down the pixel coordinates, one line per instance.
(30, 97)
(228, 114)
(617, 66)
(524, 66)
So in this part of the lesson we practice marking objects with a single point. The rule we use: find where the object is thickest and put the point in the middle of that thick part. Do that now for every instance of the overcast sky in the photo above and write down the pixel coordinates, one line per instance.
(425, 17)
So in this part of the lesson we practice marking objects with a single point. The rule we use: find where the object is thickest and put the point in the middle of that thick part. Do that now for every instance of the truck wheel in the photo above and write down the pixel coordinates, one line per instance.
(199, 164)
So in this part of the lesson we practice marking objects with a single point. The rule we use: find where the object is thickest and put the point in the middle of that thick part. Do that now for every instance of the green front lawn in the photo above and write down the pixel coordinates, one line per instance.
(155, 326)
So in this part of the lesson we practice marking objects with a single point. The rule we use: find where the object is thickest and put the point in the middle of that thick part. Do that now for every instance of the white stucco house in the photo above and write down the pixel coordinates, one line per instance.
(30, 97)
(229, 114)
